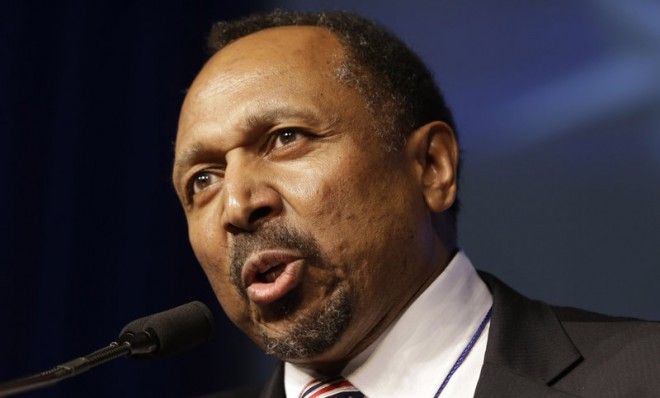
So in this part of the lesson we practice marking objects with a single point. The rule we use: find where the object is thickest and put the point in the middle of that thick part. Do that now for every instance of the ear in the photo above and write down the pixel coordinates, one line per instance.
(434, 152)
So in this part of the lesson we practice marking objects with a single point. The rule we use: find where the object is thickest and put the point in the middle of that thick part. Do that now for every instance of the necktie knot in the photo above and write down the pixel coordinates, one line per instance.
(335, 387)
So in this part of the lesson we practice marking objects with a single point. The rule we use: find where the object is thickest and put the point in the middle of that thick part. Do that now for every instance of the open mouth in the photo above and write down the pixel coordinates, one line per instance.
(270, 275)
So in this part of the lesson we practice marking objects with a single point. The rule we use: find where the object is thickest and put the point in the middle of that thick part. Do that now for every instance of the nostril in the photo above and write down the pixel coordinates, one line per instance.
(257, 214)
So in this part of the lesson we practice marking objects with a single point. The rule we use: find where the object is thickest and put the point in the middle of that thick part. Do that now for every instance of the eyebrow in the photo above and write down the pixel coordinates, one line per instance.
(189, 155)
(273, 115)
(192, 155)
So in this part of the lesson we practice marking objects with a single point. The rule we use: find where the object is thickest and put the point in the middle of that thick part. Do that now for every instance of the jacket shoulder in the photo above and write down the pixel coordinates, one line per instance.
(567, 350)
(591, 331)
(618, 354)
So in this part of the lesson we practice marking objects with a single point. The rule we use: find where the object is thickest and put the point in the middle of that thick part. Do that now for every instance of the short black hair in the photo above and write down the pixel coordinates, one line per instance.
(392, 78)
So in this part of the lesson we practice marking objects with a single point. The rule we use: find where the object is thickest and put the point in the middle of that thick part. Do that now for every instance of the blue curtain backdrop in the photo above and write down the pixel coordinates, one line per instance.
(92, 235)
(558, 106)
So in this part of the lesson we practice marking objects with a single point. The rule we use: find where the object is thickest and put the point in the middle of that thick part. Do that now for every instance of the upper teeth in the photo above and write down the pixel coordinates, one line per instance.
(271, 266)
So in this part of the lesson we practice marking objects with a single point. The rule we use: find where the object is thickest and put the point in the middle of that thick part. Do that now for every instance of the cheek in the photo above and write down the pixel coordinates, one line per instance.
(348, 201)
(317, 196)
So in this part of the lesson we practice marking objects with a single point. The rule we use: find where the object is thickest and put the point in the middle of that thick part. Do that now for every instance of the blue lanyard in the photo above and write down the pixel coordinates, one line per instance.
(465, 352)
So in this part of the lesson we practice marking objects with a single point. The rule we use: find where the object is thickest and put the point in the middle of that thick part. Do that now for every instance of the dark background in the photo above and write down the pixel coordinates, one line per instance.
(558, 106)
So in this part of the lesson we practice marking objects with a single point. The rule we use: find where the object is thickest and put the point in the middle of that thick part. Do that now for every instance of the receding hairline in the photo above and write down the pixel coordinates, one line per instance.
(322, 31)
(339, 60)
(344, 63)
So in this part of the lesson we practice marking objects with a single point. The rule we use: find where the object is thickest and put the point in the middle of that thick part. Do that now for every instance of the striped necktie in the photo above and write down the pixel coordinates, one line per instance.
(336, 387)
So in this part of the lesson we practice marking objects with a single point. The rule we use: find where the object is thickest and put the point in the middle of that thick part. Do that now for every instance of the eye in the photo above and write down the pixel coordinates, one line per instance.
(287, 136)
(201, 181)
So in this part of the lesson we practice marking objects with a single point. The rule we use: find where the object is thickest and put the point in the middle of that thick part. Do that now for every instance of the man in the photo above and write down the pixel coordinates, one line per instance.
(317, 164)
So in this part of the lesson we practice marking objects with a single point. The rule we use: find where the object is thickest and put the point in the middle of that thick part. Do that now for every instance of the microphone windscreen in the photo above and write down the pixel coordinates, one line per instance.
(134, 327)
(176, 329)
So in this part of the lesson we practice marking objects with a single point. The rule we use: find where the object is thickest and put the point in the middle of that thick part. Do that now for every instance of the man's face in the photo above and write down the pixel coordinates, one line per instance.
(312, 235)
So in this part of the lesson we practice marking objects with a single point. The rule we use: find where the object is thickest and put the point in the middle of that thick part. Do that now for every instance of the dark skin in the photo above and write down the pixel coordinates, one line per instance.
(268, 134)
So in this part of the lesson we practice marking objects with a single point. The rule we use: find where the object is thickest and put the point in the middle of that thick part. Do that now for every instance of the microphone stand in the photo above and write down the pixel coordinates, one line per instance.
(65, 370)
(128, 344)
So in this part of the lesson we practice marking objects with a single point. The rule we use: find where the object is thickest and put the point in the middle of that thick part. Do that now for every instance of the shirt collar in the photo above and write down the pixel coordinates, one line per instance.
(414, 353)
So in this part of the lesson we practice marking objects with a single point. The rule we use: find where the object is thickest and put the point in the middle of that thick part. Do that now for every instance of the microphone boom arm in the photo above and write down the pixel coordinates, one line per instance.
(67, 369)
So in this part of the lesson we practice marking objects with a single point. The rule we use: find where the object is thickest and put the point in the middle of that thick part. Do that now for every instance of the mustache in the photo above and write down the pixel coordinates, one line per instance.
(269, 236)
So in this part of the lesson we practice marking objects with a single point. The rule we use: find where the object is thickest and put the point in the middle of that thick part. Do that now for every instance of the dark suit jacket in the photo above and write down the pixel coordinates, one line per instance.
(537, 350)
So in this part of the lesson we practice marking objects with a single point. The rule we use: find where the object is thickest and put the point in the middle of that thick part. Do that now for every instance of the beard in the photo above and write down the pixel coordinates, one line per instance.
(312, 331)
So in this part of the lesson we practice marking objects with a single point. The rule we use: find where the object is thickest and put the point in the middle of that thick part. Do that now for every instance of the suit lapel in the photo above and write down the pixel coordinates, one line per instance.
(527, 350)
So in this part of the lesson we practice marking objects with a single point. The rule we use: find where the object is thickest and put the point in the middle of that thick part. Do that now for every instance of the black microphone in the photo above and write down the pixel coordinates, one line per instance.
(169, 332)
(157, 335)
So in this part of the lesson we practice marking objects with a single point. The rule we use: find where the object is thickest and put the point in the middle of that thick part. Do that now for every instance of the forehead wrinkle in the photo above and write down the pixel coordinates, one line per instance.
(223, 82)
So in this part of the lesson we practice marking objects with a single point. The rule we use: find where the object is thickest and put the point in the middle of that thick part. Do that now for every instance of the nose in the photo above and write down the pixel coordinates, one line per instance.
(249, 198)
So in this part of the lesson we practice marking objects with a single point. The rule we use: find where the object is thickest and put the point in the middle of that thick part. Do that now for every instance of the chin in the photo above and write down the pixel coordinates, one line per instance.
(296, 334)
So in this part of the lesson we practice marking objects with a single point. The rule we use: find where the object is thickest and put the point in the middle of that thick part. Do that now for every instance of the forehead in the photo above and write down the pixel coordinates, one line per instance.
(286, 54)
(294, 66)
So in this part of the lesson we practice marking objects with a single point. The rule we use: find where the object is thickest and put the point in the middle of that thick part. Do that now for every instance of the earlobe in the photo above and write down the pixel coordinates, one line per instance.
(434, 150)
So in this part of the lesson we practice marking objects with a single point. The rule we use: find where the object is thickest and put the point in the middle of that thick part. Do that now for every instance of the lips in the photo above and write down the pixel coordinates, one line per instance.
(270, 275)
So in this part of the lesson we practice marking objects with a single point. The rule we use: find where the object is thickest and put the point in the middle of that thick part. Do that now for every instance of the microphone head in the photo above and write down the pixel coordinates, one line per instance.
(174, 330)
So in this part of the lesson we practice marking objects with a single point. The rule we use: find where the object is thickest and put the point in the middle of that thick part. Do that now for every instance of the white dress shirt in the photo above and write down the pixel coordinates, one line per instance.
(415, 354)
